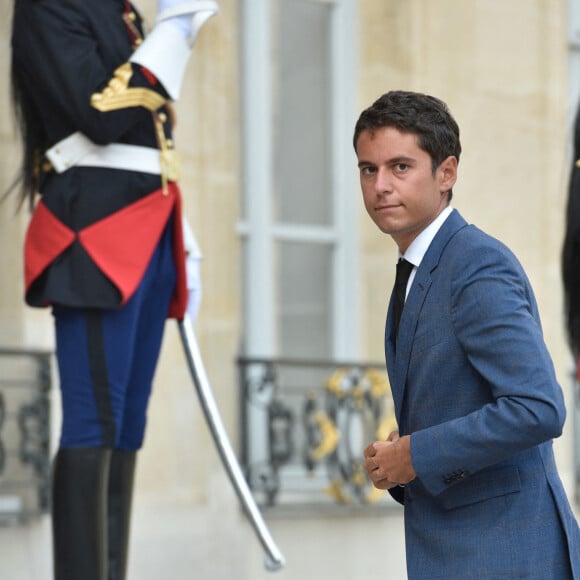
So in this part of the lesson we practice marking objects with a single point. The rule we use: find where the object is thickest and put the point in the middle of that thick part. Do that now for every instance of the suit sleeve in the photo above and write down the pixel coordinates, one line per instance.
(497, 325)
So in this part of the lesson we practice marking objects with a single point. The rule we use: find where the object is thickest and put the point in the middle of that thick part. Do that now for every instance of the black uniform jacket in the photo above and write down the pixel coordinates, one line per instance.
(94, 230)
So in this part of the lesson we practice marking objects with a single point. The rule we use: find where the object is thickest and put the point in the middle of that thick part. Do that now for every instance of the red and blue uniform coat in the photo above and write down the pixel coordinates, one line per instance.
(94, 230)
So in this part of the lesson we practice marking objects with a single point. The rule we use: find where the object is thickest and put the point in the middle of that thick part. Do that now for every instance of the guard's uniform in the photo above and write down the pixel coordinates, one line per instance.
(106, 233)
(104, 246)
(81, 250)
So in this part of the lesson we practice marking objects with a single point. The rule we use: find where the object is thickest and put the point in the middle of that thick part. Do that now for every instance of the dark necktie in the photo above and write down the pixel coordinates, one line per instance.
(404, 270)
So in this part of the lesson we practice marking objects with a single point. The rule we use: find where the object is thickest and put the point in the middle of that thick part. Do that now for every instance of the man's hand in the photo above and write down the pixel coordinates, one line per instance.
(388, 463)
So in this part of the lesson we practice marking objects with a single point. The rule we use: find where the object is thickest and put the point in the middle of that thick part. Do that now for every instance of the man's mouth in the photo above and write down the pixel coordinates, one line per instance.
(386, 207)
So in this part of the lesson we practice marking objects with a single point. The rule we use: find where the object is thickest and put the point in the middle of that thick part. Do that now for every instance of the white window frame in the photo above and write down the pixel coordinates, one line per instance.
(574, 51)
(258, 227)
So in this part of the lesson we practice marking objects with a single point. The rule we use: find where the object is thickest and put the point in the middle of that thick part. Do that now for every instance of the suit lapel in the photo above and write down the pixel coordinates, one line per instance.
(398, 359)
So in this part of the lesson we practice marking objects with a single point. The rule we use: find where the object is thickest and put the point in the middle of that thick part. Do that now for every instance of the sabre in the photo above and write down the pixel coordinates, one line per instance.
(274, 558)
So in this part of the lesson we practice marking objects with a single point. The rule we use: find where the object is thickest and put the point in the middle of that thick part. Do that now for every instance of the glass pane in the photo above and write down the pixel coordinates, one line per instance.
(304, 308)
(574, 21)
(302, 113)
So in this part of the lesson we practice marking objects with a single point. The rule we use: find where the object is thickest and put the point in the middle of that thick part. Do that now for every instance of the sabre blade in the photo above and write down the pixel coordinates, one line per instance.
(274, 558)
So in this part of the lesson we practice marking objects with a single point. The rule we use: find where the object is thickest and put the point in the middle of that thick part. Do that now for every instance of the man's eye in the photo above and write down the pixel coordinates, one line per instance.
(367, 170)
(401, 167)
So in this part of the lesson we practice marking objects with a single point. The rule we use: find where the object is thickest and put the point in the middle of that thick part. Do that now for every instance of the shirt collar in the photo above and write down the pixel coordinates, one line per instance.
(419, 246)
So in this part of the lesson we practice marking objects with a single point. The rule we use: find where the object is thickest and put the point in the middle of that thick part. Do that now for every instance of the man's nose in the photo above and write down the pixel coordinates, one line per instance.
(383, 182)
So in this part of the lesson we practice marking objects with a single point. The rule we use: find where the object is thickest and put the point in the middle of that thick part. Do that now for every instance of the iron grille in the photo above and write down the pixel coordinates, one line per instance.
(25, 383)
(304, 427)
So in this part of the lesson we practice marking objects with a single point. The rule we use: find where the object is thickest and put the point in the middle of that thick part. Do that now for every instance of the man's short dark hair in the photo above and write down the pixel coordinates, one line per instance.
(423, 115)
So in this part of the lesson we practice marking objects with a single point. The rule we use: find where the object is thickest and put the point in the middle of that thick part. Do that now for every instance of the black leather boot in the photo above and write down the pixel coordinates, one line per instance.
(120, 498)
(79, 504)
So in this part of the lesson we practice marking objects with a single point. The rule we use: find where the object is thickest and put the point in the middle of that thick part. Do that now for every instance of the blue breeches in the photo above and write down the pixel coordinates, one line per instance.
(107, 359)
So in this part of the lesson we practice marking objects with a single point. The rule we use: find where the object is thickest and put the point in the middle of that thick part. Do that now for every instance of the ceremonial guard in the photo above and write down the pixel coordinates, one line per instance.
(104, 248)
(571, 251)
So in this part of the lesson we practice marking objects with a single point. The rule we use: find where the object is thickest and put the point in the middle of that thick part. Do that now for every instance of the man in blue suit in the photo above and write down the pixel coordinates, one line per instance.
(474, 387)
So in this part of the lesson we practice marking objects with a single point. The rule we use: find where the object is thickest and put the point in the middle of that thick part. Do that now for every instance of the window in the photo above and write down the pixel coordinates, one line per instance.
(299, 192)
(574, 44)
(300, 201)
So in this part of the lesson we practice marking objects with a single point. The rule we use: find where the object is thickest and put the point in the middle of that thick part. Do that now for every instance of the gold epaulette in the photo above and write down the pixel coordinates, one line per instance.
(118, 95)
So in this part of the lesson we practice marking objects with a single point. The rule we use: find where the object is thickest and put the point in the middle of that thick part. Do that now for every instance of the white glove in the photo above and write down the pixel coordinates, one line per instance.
(192, 269)
(166, 50)
(187, 16)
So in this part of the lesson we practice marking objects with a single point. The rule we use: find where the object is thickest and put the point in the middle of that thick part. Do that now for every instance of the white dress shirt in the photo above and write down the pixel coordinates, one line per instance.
(419, 246)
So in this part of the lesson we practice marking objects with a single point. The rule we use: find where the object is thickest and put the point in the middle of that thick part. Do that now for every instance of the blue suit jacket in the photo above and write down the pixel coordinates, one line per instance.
(474, 385)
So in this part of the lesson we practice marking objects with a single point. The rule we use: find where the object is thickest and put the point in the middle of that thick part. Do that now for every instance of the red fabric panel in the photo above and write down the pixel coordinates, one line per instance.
(124, 258)
(46, 238)
(151, 78)
(178, 303)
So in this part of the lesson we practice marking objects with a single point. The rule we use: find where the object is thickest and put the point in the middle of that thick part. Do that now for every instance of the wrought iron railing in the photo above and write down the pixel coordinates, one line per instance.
(304, 427)
(25, 383)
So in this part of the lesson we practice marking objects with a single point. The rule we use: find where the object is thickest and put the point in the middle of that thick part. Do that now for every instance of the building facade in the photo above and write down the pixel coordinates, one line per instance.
(292, 265)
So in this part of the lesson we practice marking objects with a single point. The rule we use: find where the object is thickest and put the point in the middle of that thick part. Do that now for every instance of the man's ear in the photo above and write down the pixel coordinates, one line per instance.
(447, 172)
